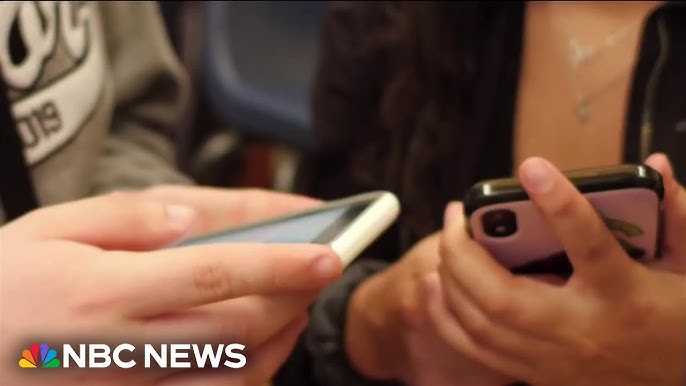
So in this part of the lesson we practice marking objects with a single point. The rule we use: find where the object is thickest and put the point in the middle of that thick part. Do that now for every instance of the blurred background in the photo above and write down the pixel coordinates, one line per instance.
(251, 66)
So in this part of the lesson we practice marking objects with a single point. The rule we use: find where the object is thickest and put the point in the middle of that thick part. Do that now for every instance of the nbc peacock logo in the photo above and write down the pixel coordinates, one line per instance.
(31, 360)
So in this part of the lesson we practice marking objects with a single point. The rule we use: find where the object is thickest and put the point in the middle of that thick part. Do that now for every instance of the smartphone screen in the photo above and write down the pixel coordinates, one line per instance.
(318, 227)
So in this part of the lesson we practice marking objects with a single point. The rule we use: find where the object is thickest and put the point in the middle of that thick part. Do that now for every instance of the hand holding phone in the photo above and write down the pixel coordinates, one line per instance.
(613, 315)
(503, 219)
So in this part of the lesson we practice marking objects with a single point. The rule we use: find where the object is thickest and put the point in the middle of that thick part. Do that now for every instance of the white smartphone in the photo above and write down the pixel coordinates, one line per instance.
(347, 225)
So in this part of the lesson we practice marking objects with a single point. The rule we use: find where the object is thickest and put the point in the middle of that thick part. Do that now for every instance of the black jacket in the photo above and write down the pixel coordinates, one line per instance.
(355, 156)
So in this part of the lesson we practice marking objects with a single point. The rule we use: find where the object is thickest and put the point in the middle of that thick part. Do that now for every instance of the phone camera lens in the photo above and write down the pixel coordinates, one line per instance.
(499, 223)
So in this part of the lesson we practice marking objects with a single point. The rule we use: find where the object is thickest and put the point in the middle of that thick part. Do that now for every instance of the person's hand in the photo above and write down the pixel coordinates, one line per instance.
(220, 208)
(91, 271)
(388, 333)
(614, 322)
(674, 245)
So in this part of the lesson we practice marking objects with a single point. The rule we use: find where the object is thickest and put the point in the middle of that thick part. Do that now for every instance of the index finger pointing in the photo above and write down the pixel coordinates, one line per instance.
(591, 247)
(172, 279)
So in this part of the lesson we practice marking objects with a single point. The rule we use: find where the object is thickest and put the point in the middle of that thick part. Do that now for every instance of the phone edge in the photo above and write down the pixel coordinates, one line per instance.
(366, 228)
(490, 192)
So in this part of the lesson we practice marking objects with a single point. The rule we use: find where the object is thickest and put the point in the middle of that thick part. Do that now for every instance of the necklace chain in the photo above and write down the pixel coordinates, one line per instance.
(578, 55)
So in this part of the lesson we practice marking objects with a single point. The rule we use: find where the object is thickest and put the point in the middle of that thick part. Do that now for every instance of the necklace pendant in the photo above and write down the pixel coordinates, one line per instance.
(577, 54)
(583, 111)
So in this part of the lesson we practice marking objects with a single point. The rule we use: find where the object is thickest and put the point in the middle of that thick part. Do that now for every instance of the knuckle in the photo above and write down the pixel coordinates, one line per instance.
(599, 245)
(498, 308)
(212, 280)
(406, 307)
(638, 312)
(565, 207)
(478, 326)
(240, 331)
(148, 216)
(256, 202)
(410, 312)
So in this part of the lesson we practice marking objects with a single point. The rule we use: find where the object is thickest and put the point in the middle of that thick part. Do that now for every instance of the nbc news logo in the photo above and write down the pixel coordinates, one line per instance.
(160, 356)
(31, 360)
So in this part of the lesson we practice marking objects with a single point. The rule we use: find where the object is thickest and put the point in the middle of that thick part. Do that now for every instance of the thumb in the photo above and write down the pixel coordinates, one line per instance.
(674, 220)
(125, 221)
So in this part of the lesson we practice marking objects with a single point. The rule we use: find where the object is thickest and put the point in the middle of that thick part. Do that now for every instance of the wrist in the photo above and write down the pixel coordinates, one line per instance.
(372, 341)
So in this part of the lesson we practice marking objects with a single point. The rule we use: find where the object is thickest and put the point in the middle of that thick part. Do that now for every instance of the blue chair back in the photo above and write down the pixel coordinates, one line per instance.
(258, 62)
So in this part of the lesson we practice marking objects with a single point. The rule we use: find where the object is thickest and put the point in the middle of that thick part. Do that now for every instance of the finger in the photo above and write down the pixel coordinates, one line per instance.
(250, 320)
(222, 208)
(492, 334)
(452, 332)
(184, 277)
(593, 251)
(516, 300)
(674, 213)
(260, 366)
(114, 221)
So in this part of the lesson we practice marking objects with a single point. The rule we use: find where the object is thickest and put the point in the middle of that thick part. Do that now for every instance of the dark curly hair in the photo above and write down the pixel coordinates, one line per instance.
(434, 51)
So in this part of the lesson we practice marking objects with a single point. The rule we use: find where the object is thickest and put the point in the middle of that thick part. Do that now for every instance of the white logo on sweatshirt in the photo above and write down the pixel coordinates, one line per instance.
(52, 112)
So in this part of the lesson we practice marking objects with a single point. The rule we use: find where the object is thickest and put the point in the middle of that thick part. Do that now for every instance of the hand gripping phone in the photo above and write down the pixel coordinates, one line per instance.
(628, 198)
(347, 225)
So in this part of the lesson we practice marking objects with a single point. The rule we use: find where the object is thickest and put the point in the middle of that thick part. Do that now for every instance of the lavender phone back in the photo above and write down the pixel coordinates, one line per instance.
(632, 214)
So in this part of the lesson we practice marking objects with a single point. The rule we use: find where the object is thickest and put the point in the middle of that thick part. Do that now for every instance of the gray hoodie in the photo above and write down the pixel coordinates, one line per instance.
(95, 89)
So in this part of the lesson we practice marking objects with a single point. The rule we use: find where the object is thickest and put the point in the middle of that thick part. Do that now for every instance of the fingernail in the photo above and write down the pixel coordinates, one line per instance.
(536, 176)
(661, 163)
(326, 266)
(452, 212)
(652, 157)
(180, 217)
(658, 155)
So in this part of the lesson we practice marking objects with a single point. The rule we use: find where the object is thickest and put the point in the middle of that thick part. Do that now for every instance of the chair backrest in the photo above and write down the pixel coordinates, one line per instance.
(259, 61)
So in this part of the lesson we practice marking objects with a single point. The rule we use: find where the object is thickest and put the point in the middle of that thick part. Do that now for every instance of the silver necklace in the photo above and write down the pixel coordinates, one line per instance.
(578, 55)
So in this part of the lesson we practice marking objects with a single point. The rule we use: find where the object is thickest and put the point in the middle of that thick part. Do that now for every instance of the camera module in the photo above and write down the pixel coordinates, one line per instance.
(499, 223)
